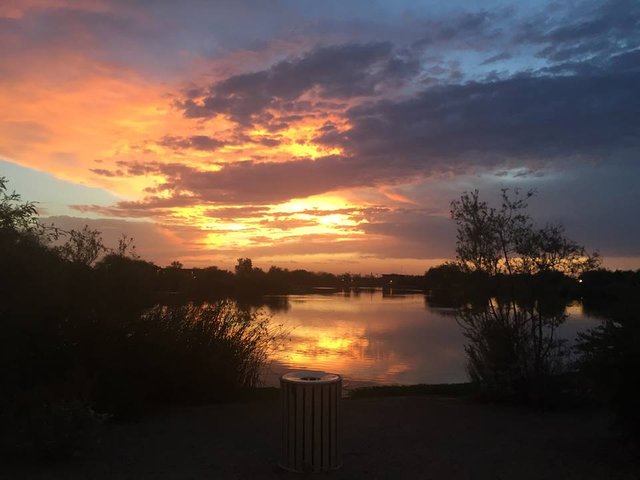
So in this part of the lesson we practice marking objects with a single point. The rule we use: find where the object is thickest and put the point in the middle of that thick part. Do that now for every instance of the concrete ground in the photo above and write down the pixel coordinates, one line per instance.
(383, 438)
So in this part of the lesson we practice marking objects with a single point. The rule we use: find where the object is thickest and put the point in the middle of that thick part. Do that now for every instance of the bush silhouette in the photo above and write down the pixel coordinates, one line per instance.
(510, 321)
(84, 330)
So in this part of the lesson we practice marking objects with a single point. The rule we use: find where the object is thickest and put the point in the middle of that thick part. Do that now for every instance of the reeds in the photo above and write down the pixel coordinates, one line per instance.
(219, 343)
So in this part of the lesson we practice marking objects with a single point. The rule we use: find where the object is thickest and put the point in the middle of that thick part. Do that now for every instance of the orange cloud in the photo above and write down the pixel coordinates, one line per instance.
(75, 112)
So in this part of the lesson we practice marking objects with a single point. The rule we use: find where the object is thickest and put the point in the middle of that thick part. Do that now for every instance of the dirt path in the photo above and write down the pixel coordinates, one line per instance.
(383, 438)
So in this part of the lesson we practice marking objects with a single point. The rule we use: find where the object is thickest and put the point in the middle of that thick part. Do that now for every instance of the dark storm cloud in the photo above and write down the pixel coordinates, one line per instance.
(338, 72)
(269, 141)
(484, 123)
(468, 30)
(524, 121)
(251, 182)
(586, 29)
(625, 62)
(195, 142)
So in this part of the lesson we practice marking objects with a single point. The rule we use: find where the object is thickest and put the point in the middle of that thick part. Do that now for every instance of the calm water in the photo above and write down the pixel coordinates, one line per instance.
(371, 338)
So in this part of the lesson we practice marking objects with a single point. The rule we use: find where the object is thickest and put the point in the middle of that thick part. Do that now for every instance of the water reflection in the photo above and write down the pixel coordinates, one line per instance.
(276, 303)
(372, 337)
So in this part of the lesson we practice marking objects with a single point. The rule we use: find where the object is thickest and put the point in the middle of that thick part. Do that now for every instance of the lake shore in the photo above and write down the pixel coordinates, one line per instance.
(422, 437)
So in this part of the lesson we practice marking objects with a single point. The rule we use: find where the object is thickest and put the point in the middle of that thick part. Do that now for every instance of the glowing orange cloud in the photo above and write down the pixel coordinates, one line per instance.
(85, 125)
(70, 111)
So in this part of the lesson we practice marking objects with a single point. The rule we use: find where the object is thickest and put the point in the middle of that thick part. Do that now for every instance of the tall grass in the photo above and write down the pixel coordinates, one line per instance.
(191, 353)
(59, 378)
(219, 344)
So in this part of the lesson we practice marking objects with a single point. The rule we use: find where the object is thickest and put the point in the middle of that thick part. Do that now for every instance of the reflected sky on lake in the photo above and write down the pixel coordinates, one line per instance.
(371, 338)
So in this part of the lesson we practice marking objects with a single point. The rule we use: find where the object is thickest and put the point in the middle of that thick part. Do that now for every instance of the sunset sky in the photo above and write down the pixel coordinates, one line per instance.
(326, 135)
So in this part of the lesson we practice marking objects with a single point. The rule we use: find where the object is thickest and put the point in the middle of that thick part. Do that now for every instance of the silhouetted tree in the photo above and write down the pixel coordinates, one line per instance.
(82, 247)
(16, 216)
(512, 348)
(504, 240)
(448, 285)
(244, 267)
(176, 264)
(126, 248)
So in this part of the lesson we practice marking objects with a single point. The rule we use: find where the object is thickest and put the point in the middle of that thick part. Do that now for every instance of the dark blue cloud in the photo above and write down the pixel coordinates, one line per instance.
(586, 30)
(338, 72)
(530, 121)
(522, 119)
(194, 142)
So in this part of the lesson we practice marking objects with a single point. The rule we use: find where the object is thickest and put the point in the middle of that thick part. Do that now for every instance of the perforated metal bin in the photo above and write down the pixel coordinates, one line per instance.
(310, 421)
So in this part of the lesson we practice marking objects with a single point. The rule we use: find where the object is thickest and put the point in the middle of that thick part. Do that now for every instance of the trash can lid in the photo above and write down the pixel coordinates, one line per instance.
(310, 376)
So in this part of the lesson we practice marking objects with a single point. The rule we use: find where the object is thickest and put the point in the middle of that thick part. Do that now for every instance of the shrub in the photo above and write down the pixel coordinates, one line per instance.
(77, 335)
(188, 353)
(512, 348)
(609, 358)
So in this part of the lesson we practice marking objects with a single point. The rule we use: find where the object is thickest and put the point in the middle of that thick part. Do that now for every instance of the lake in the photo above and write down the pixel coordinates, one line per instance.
(375, 338)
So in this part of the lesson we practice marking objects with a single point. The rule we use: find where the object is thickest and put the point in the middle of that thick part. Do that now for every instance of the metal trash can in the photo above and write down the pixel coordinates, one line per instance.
(310, 421)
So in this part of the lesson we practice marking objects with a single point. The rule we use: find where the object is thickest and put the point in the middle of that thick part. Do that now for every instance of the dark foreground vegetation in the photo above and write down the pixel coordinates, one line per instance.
(91, 333)
(509, 288)
(86, 337)
(609, 355)
(408, 437)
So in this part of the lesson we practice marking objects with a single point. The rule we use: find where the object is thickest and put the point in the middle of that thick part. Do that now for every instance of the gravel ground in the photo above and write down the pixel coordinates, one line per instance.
(383, 438)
